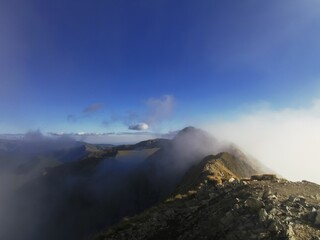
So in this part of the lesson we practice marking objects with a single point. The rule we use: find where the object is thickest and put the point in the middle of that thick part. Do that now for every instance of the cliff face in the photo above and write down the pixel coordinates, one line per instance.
(215, 201)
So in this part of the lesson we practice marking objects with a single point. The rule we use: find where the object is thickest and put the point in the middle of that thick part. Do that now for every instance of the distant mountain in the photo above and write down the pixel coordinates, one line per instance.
(79, 189)
(70, 183)
(151, 143)
(30, 159)
(163, 170)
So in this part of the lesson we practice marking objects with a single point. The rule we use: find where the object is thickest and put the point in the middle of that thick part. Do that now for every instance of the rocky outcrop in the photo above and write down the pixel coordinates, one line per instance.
(262, 177)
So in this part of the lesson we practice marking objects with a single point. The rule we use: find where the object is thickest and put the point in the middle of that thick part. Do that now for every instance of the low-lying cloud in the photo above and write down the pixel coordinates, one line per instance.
(286, 140)
(128, 137)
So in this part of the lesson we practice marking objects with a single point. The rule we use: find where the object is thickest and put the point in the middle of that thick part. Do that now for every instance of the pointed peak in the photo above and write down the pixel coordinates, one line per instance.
(189, 130)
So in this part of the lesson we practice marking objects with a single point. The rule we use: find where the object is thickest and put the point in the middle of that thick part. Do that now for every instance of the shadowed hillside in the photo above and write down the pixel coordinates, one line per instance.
(92, 187)
(215, 201)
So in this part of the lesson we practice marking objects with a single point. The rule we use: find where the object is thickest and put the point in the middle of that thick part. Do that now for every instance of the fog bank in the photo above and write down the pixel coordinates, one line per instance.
(286, 140)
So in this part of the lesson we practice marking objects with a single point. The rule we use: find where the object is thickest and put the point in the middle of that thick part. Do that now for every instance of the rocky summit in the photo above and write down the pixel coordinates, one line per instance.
(213, 202)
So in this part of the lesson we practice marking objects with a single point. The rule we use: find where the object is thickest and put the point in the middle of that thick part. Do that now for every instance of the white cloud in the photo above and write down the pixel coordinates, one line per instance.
(140, 126)
(286, 140)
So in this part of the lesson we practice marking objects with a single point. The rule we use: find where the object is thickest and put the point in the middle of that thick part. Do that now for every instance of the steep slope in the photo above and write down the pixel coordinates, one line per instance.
(163, 170)
(267, 208)
(253, 162)
(84, 196)
(92, 187)
(160, 174)
(216, 169)
(151, 143)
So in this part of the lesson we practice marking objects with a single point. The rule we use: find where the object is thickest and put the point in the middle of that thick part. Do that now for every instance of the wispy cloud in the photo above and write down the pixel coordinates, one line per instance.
(128, 119)
(155, 111)
(72, 118)
(86, 112)
(92, 108)
(159, 109)
(286, 140)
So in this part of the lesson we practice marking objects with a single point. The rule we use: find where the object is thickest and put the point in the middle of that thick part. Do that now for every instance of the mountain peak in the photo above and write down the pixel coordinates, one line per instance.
(193, 133)
(189, 130)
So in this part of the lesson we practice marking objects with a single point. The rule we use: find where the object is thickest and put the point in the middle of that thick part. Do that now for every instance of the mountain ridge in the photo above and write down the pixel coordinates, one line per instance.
(92, 187)
(260, 207)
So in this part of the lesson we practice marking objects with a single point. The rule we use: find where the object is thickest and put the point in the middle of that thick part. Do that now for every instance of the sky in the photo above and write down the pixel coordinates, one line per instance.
(248, 71)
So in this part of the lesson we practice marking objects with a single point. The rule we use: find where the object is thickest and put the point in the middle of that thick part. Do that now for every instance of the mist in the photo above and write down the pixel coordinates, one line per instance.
(285, 140)
(78, 192)
(22, 162)
(75, 195)
(53, 187)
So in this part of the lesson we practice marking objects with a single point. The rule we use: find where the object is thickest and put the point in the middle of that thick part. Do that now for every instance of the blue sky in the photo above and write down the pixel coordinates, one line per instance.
(102, 66)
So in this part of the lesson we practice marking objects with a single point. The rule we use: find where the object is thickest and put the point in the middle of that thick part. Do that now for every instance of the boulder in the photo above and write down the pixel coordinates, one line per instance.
(263, 215)
(317, 219)
(264, 177)
(227, 219)
(231, 180)
(254, 204)
(266, 193)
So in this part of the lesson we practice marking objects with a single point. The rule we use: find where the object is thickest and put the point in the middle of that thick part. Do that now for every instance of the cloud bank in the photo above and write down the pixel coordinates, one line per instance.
(286, 140)
(128, 137)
